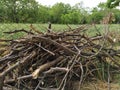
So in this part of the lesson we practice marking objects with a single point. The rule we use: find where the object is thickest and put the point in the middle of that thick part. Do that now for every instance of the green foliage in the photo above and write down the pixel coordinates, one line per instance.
(102, 6)
(116, 15)
(96, 17)
(113, 3)
(73, 17)
(29, 11)
(19, 10)
(43, 14)
(57, 11)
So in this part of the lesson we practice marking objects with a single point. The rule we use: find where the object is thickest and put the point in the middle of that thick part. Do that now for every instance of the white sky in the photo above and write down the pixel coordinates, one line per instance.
(86, 3)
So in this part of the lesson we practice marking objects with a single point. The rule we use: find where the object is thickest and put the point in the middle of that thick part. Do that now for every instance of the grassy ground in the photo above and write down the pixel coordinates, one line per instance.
(41, 27)
(55, 27)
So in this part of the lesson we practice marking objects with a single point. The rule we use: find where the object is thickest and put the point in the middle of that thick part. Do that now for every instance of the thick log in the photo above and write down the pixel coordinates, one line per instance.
(43, 67)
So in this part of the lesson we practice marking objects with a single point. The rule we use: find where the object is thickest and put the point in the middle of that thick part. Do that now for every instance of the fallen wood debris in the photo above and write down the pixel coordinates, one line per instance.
(52, 60)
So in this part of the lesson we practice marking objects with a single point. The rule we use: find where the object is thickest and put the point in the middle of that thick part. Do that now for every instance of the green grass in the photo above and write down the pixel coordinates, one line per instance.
(101, 28)
(42, 27)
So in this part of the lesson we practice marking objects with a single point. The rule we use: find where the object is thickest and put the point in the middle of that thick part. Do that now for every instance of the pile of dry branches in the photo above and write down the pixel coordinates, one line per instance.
(53, 61)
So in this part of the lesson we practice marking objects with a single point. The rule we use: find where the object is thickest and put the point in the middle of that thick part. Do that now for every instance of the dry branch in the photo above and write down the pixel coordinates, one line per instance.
(16, 31)
(54, 59)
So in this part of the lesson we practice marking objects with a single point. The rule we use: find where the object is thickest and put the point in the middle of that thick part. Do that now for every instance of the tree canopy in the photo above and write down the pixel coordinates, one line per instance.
(30, 11)
(113, 3)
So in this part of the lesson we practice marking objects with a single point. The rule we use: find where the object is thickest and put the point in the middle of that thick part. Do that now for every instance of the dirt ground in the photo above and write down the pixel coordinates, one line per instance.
(97, 85)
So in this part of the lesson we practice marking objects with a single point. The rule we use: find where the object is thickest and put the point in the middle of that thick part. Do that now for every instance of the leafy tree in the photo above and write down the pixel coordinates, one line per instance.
(57, 10)
(29, 11)
(95, 17)
(102, 6)
(20, 10)
(43, 14)
(116, 15)
(113, 3)
(2, 12)
(76, 15)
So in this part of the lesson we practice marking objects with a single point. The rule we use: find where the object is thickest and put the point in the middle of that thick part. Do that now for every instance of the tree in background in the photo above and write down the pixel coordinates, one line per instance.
(76, 15)
(113, 3)
(19, 10)
(43, 14)
(57, 11)
(30, 11)
(95, 16)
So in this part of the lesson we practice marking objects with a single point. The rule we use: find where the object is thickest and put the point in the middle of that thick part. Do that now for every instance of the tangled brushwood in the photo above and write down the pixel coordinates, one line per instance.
(54, 61)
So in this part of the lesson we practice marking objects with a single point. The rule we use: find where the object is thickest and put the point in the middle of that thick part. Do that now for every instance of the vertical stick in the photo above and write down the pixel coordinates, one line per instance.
(1, 82)
(49, 27)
